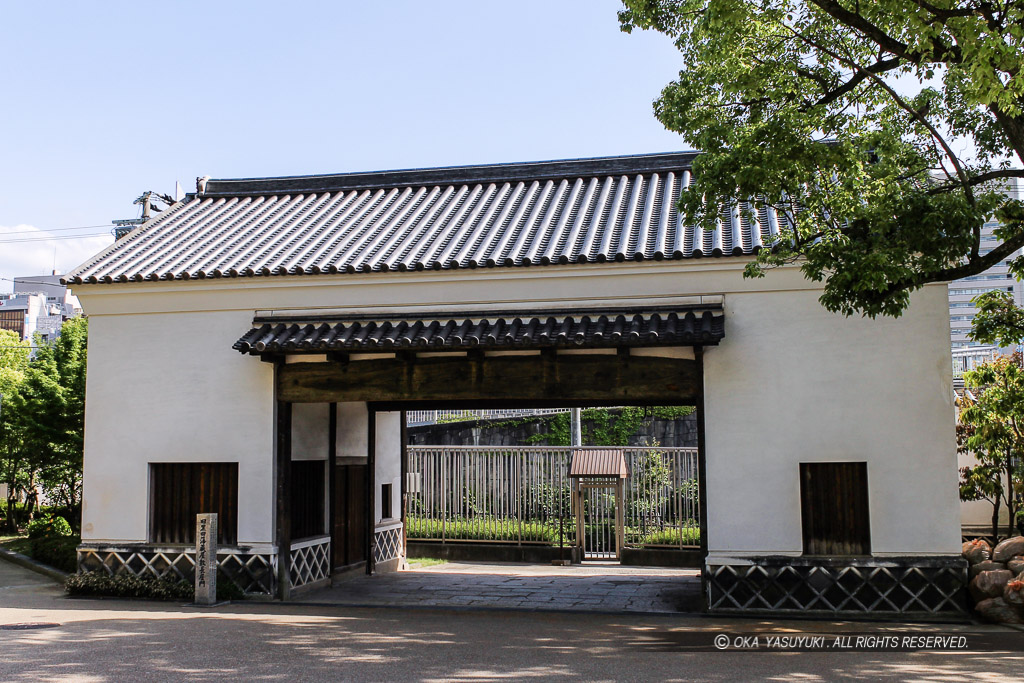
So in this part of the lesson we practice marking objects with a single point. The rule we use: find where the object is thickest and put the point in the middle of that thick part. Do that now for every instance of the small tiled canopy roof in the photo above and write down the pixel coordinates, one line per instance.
(602, 463)
(557, 330)
(551, 213)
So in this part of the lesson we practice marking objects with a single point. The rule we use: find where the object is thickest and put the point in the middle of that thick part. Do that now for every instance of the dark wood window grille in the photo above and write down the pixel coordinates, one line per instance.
(834, 508)
(179, 491)
(308, 493)
(13, 321)
(386, 509)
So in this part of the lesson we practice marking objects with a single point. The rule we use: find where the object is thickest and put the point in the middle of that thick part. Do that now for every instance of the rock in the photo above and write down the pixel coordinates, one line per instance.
(1008, 548)
(996, 609)
(1013, 593)
(986, 566)
(977, 551)
(1016, 565)
(989, 584)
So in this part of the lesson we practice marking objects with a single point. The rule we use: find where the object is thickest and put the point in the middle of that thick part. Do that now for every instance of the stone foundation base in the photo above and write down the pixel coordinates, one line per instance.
(921, 586)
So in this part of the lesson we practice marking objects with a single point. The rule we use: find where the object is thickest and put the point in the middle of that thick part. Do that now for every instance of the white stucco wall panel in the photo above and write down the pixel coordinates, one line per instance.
(310, 431)
(793, 383)
(388, 458)
(352, 441)
(168, 388)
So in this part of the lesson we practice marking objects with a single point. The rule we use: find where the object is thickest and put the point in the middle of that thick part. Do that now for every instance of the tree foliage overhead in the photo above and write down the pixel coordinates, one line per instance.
(882, 132)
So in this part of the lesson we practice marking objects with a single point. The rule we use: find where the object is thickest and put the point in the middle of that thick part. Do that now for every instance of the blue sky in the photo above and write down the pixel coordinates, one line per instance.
(106, 100)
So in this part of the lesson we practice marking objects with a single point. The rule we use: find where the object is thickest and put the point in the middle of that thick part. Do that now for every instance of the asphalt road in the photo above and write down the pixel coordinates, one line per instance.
(114, 640)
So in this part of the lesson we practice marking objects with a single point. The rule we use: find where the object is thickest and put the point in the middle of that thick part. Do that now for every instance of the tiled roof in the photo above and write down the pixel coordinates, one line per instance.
(604, 462)
(547, 213)
(525, 332)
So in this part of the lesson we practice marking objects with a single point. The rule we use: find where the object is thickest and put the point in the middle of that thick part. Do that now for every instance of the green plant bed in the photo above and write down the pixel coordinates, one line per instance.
(674, 536)
(491, 529)
(101, 584)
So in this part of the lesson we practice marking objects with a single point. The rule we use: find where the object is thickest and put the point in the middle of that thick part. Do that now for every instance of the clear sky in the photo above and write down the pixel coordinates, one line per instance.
(103, 101)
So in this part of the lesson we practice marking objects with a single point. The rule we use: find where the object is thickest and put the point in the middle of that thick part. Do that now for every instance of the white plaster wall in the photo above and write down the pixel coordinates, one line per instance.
(310, 431)
(793, 383)
(790, 383)
(168, 388)
(352, 430)
(388, 455)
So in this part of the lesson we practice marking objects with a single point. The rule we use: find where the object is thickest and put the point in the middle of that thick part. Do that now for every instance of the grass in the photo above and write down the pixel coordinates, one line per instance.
(420, 562)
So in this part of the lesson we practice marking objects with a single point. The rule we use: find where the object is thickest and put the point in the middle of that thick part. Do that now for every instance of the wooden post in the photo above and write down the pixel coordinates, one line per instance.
(206, 559)
(283, 461)
(404, 476)
(332, 478)
(371, 484)
(702, 488)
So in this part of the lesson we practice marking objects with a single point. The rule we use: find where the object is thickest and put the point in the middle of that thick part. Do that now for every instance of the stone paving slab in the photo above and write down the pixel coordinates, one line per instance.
(587, 587)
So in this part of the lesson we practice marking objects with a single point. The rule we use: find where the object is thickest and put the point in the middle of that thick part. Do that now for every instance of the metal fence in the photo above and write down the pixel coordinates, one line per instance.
(522, 495)
(426, 417)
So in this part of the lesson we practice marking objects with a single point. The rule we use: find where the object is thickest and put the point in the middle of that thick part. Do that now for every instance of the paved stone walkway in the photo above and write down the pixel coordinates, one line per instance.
(588, 587)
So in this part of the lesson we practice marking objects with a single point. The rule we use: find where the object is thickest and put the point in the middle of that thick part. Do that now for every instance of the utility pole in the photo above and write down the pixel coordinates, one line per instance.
(576, 428)
(123, 226)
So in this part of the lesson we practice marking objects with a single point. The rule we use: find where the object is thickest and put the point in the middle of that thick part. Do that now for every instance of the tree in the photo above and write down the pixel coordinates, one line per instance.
(14, 357)
(991, 428)
(51, 414)
(880, 131)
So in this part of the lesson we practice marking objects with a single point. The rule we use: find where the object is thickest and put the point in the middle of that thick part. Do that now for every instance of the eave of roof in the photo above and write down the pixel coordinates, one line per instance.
(572, 330)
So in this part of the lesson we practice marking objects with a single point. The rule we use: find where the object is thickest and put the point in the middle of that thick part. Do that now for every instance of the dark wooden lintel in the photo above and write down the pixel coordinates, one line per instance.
(610, 380)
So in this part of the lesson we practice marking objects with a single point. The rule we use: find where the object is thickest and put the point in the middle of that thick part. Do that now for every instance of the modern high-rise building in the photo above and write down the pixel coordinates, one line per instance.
(998, 277)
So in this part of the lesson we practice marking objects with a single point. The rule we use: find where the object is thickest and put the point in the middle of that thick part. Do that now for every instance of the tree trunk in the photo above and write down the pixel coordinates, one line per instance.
(995, 520)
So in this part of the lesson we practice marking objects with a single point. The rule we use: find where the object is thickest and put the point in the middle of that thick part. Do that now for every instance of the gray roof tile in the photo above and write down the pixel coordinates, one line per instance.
(546, 213)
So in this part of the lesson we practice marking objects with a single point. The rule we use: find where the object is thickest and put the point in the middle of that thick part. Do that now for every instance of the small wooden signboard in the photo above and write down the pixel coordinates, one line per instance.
(206, 559)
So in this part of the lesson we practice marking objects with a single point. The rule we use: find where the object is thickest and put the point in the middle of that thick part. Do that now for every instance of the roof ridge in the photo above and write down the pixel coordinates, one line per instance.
(448, 175)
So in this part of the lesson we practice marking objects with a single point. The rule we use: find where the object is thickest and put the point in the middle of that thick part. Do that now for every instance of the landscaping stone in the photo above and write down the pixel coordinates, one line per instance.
(986, 566)
(1008, 548)
(977, 551)
(1016, 565)
(989, 584)
(997, 610)
(1013, 593)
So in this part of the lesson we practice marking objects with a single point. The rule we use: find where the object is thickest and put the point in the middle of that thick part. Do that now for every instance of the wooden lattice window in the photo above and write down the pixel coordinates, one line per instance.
(834, 508)
(178, 491)
(308, 493)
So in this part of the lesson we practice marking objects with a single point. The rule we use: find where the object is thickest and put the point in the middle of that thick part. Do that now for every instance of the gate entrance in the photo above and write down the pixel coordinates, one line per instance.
(598, 477)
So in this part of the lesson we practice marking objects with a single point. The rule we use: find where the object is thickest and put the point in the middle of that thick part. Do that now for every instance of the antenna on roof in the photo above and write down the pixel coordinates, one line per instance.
(125, 225)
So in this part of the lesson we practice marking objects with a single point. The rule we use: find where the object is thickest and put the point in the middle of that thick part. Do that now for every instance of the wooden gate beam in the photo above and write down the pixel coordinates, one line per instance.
(611, 380)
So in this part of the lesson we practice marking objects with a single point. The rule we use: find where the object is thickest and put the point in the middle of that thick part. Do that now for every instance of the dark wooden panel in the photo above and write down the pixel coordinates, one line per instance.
(180, 491)
(834, 508)
(605, 378)
(349, 525)
(308, 488)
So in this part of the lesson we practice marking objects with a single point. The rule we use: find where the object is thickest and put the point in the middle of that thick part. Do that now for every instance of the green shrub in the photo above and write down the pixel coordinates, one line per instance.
(99, 583)
(57, 551)
(687, 535)
(489, 529)
(125, 585)
(48, 526)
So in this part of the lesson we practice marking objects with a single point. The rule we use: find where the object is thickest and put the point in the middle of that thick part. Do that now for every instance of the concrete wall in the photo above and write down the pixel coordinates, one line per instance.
(790, 383)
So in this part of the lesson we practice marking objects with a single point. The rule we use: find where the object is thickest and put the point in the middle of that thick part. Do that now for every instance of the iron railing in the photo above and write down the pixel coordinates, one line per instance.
(522, 495)
(426, 417)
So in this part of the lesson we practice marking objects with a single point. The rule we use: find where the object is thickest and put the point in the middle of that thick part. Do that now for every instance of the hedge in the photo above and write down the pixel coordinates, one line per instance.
(124, 585)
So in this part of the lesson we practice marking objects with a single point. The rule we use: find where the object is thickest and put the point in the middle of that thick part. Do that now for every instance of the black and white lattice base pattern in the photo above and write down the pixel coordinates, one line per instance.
(252, 572)
(897, 586)
(387, 544)
(311, 562)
